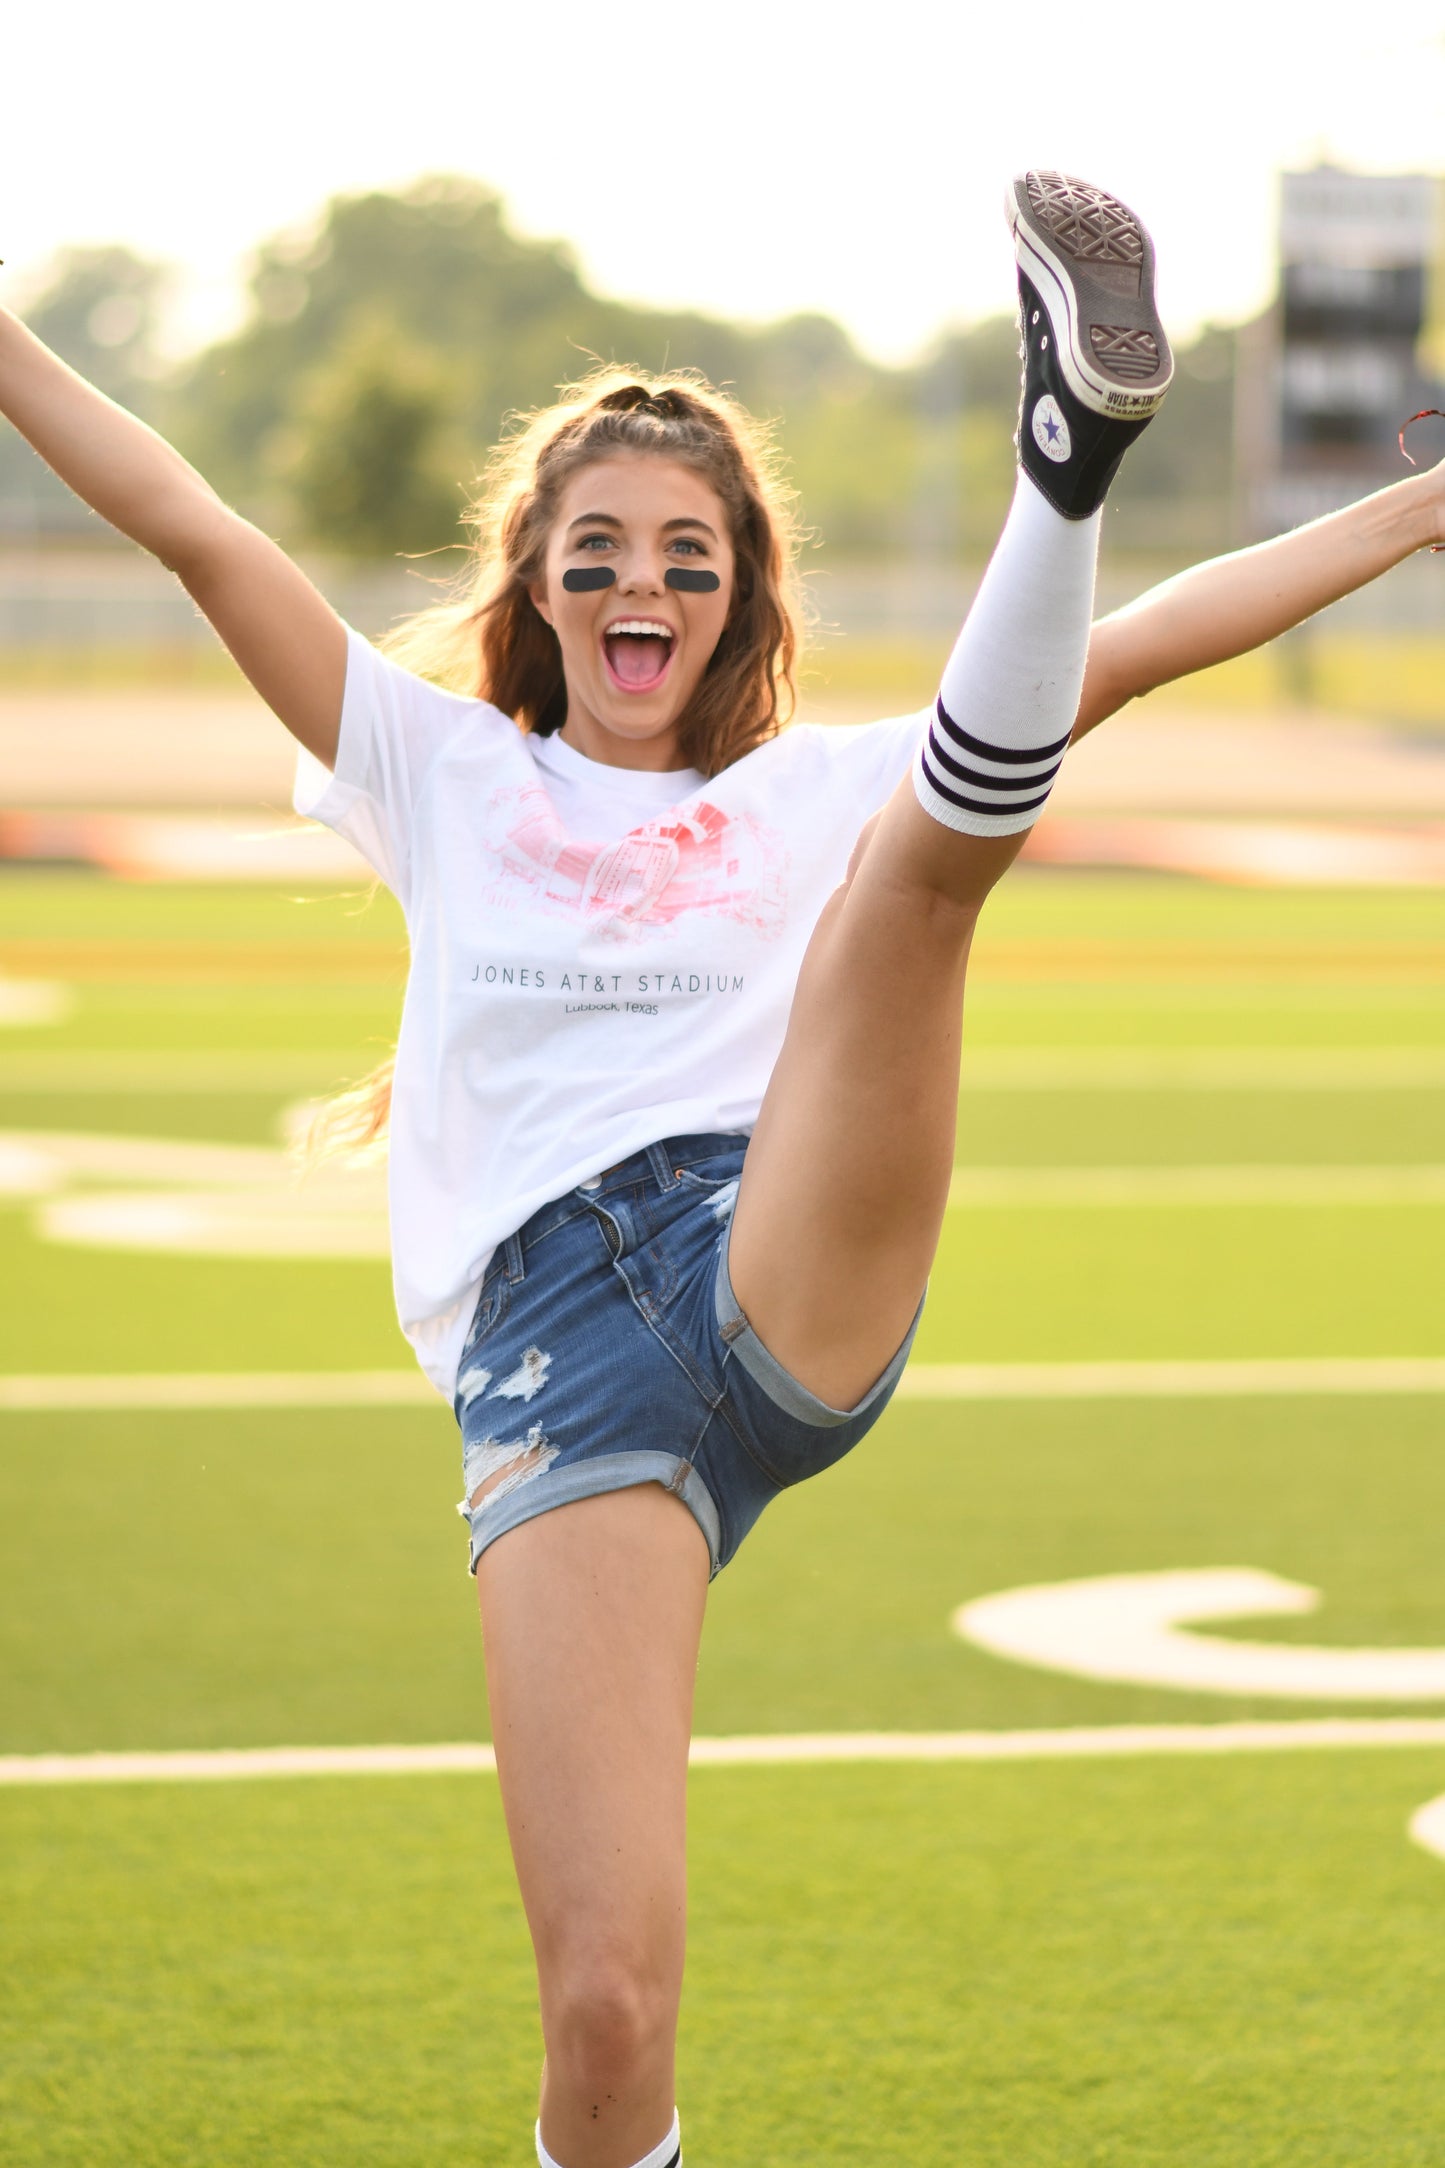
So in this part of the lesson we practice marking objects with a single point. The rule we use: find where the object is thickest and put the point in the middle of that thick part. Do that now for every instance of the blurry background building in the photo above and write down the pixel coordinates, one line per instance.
(1329, 374)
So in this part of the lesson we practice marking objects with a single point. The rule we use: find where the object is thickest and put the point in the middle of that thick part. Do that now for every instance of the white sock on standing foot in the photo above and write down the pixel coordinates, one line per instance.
(1011, 687)
(666, 2155)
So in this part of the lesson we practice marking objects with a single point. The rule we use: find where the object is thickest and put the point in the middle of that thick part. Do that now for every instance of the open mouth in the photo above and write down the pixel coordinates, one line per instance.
(638, 653)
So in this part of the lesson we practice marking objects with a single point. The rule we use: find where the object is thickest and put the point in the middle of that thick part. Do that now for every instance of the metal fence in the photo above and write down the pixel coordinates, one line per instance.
(62, 600)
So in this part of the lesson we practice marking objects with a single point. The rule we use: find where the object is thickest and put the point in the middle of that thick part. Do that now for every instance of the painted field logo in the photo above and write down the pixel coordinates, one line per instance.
(1134, 1629)
(1051, 431)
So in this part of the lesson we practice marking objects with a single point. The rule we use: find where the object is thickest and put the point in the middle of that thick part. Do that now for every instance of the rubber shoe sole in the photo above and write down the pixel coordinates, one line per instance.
(1092, 264)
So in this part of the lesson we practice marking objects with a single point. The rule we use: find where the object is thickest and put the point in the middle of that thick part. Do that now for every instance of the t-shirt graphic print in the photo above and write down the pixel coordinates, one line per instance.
(697, 858)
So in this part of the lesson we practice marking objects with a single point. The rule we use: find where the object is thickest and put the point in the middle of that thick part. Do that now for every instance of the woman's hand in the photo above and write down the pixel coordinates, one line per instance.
(284, 635)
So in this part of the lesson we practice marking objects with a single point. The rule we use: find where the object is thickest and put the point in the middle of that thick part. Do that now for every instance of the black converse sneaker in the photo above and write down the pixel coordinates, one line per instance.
(1096, 361)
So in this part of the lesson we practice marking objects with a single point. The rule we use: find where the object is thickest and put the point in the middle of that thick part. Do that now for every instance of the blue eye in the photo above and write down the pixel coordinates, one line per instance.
(598, 541)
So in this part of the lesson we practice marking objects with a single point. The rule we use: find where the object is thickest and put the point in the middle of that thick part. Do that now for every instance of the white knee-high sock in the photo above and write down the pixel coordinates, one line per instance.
(1010, 689)
(668, 2154)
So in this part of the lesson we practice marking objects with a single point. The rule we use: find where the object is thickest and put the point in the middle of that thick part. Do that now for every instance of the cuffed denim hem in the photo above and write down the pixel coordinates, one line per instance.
(551, 1487)
(781, 1387)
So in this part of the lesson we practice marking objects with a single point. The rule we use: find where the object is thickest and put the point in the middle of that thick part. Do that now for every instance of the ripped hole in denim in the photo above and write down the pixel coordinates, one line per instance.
(494, 1467)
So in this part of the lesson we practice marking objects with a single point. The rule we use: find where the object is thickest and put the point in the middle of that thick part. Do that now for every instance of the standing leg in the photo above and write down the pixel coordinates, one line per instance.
(847, 1175)
(591, 1617)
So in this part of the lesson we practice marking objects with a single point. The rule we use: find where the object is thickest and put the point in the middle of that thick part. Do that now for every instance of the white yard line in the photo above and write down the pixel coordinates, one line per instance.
(1202, 1068)
(985, 1068)
(1366, 1375)
(1172, 1186)
(156, 1391)
(181, 1391)
(226, 1765)
(1427, 1826)
(202, 1070)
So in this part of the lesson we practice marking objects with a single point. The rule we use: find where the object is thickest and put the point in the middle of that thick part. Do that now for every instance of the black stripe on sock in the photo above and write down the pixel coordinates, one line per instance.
(981, 805)
(676, 2158)
(1007, 755)
(978, 780)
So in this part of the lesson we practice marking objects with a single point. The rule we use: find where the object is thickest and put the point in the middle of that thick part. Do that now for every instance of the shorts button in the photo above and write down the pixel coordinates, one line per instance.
(593, 1181)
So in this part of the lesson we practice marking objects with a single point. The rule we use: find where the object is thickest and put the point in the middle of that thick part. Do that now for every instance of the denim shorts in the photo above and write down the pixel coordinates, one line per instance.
(608, 1349)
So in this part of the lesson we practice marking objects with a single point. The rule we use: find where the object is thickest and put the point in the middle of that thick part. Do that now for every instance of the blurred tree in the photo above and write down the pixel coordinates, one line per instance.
(386, 346)
(98, 309)
(494, 321)
(375, 466)
(494, 324)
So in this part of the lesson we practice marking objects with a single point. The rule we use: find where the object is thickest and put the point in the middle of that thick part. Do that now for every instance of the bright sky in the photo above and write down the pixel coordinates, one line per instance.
(748, 159)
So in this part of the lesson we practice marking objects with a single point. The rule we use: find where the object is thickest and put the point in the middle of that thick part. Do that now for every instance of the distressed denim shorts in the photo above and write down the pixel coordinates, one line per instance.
(608, 1349)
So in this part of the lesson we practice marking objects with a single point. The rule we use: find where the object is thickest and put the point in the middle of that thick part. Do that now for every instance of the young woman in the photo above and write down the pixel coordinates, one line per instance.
(676, 1084)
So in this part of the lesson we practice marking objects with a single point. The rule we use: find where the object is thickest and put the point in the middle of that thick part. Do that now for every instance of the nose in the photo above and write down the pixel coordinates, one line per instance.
(644, 573)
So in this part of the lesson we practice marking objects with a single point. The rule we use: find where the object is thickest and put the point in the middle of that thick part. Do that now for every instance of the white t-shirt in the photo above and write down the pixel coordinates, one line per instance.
(600, 957)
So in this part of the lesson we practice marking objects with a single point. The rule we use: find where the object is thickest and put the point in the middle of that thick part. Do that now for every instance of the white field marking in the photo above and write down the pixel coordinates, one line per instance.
(1203, 1068)
(227, 1223)
(249, 1200)
(1079, 1743)
(1271, 1184)
(188, 1070)
(1245, 1379)
(34, 1001)
(1129, 1628)
(155, 1393)
(24, 1172)
(72, 1392)
(175, 1162)
(1427, 1826)
(214, 1200)
(985, 1068)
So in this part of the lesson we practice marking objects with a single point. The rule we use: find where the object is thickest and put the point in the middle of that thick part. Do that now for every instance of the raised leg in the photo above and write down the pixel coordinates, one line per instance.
(591, 1617)
(846, 1180)
(847, 1176)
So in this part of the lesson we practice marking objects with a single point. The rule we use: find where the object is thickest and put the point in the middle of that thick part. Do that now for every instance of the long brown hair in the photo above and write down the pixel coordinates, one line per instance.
(489, 640)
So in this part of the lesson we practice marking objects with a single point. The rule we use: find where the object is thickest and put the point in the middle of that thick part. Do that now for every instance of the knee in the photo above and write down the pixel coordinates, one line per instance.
(606, 2018)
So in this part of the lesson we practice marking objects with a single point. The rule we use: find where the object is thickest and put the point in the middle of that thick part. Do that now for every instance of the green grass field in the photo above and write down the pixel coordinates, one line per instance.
(1187, 1960)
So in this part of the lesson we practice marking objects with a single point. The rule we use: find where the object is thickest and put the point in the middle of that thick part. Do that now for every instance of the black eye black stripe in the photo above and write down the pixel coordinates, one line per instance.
(685, 579)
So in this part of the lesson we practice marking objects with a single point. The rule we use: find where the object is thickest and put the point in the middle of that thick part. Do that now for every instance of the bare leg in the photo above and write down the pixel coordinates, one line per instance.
(591, 1616)
(847, 1175)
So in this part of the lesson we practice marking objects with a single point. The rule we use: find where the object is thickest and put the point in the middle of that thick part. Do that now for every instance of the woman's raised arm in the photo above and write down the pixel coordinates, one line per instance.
(285, 636)
(1235, 603)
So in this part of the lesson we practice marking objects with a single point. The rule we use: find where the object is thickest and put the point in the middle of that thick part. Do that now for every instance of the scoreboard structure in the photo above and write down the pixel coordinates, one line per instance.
(1329, 374)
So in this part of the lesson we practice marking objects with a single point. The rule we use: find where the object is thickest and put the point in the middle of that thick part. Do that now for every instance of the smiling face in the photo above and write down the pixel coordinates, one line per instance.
(633, 653)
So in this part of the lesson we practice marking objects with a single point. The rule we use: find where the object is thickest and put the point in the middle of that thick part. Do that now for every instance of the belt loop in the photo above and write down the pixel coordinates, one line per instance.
(516, 1270)
(662, 1166)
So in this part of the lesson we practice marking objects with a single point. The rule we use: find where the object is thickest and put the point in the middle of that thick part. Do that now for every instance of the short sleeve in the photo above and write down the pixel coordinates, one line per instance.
(393, 727)
(877, 756)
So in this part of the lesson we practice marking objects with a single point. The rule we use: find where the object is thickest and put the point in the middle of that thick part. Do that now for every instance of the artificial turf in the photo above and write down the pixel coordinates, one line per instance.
(1019, 1967)
(1187, 1961)
(297, 1577)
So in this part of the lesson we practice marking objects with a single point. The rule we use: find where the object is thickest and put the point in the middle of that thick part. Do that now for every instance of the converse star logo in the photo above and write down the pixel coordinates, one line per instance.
(1051, 431)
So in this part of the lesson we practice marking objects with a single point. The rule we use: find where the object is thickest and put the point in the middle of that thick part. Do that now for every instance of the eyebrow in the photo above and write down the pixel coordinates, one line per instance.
(607, 519)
